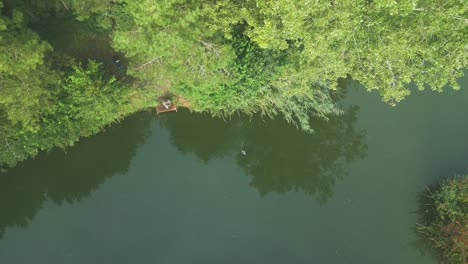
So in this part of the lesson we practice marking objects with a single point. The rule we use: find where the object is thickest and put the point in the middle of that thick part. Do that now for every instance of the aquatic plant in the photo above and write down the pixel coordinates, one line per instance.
(446, 227)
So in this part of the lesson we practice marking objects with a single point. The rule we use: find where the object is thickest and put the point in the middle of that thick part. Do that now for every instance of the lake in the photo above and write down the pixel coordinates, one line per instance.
(188, 188)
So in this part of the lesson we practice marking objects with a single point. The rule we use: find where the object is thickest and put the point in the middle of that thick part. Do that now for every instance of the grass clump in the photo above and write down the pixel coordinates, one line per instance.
(446, 227)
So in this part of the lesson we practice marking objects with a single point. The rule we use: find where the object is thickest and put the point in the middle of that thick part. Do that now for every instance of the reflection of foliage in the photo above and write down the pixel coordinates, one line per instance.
(61, 178)
(446, 218)
(279, 157)
(205, 136)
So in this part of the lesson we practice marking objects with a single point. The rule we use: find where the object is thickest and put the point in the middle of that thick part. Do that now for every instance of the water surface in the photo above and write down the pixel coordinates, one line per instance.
(176, 188)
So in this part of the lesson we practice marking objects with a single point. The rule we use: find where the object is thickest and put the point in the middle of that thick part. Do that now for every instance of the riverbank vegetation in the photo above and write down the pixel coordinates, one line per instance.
(446, 227)
(222, 57)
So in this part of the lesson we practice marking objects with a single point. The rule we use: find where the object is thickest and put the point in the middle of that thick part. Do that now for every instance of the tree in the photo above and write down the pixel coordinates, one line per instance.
(196, 49)
(382, 44)
(173, 49)
(47, 99)
(81, 104)
(24, 84)
(224, 57)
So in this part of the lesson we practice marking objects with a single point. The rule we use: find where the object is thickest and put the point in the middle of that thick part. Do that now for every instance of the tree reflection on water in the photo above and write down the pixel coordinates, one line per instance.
(59, 177)
(278, 156)
(281, 159)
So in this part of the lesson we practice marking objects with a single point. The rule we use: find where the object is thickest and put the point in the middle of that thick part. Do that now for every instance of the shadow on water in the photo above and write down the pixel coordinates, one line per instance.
(77, 40)
(424, 216)
(59, 177)
(279, 157)
(203, 135)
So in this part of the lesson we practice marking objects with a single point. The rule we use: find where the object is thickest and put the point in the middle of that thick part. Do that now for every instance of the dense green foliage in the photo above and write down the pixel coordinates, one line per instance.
(192, 47)
(447, 226)
(21, 73)
(223, 57)
(80, 104)
(47, 99)
(383, 44)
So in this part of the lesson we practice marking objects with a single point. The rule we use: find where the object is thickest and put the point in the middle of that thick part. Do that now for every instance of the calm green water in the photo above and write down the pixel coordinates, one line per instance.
(175, 188)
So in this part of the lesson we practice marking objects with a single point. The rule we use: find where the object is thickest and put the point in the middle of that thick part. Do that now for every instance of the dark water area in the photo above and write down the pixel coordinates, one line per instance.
(188, 188)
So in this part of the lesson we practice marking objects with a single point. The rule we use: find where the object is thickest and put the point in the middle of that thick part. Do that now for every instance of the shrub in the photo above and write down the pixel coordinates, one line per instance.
(446, 229)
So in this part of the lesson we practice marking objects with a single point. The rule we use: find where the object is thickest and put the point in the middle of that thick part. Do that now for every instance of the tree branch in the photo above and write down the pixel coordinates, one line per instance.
(65, 5)
(9, 148)
(155, 59)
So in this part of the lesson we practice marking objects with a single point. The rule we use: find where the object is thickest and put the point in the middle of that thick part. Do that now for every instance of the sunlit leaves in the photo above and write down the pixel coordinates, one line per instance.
(383, 44)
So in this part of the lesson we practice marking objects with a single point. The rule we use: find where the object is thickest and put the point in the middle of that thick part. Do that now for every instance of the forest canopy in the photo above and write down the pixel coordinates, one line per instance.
(222, 57)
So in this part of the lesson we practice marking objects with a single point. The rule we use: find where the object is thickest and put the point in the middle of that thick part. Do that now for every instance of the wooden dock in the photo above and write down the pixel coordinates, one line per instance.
(161, 109)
